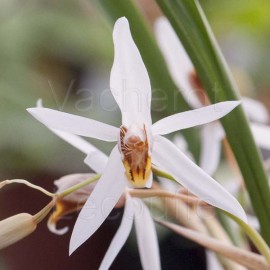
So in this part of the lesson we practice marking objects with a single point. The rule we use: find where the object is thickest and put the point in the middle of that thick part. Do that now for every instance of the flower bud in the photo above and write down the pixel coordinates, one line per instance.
(15, 228)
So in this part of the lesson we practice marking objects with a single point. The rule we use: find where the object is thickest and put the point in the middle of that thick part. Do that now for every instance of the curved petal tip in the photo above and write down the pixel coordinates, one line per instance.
(236, 102)
(120, 25)
(39, 103)
(161, 21)
(227, 106)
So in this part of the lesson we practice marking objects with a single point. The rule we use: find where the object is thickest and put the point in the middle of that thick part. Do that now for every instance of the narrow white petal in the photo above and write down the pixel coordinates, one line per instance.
(168, 157)
(120, 237)
(79, 143)
(75, 141)
(96, 160)
(100, 203)
(169, 185)
(212, 261)
(75, 124)
(255, 110)
(261, 134)
(232, 185)
(193, 117)
(52, 228)
(177, 60)
(211, 137)
(146, 236)
(182, 144)
(129, 82)
(149, 182)
(253, 221)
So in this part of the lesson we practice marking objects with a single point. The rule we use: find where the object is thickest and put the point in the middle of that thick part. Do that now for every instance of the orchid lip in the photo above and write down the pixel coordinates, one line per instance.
(135, 152)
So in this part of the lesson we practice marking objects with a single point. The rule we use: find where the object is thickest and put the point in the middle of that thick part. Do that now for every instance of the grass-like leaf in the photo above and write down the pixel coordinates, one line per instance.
(192, 28)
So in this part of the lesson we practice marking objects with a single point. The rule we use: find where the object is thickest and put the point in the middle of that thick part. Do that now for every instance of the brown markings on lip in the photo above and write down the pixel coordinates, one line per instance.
(137, 161)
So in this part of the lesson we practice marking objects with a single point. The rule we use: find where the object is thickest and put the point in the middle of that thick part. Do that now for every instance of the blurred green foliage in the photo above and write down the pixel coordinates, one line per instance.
(41, 44)
(246, 21)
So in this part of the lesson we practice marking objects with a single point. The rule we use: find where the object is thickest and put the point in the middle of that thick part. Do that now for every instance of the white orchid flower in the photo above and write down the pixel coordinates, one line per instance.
(139, 142)
(182, 71)
(135, 210)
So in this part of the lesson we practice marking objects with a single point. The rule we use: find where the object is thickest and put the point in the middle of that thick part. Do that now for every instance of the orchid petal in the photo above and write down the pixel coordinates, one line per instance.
(52, 228)
(75, 124)
(255, 110)
(211, 136)
(168, 157)
(149, 182)
(146, 236)
(95, 159)
(182, 144)
(193, 117)
(104, 197)
(177, 60)
(261, 134)
(120, 237)
(130, 83)
(212, 261)
(253, 221)
(75, 141)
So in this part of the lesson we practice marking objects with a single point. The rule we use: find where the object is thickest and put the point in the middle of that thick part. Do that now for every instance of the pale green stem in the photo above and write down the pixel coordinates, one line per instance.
(38, 217)
(239, 239)
(78, 186)
(161, 173)
(147, 193)
(253, 235)
(24, 182)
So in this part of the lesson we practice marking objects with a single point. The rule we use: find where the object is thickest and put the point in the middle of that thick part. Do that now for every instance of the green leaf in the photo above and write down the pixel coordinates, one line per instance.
(191, 26)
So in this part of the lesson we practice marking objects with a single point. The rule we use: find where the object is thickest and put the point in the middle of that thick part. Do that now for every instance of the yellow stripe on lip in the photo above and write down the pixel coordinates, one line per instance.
(136, 159)
(138, 175)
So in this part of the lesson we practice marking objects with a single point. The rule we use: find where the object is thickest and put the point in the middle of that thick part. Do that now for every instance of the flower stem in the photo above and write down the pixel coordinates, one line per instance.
(78, 186)
(254, 236)
(38, 217)
(161, 173)
(147, 193)
(24, 182)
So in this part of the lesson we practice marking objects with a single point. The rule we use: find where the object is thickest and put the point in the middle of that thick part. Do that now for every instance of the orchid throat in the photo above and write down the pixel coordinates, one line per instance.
(135, 149)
